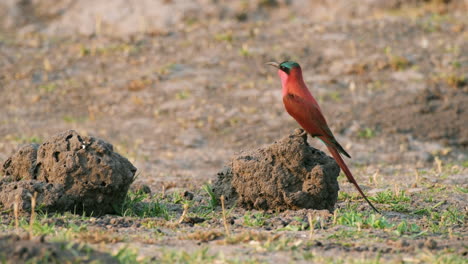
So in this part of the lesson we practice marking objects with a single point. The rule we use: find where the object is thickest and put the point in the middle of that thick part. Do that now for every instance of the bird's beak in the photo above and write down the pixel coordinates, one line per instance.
(274, 64)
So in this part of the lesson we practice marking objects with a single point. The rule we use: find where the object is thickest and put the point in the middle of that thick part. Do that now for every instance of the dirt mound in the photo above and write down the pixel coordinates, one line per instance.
(13, 249)
(432, 114)
(70, 173)
(289, 174)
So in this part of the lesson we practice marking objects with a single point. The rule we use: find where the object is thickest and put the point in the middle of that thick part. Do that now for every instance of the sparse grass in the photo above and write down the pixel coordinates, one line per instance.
(453, 79)
(282, 244)
(25, 139)
(182, 95)
(465, 164)
(177, 198)
(334, 96)
(350, 217)
(461, 189)
(301, 226)
(401, 208)
(71, 120)
(255, 219)
(228, 37)
(363, 221)
(129, 256)
(348, 233)
(245, 51)
(390, 197)
(439, 222)
(213, 201)
(181, 256)
(141, 205)
(113, 49)
(404, 227)
(366, 133)
(37, 228)
(42, 225)
(48, 87)
(433, 23)
(351, 225)
(396, 62)
(344, 196)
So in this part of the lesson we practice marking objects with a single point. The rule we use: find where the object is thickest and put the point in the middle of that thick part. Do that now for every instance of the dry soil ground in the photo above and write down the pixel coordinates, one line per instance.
(179, 104)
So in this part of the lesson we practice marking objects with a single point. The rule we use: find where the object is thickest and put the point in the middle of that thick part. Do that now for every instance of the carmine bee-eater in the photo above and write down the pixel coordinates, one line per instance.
(302, 106)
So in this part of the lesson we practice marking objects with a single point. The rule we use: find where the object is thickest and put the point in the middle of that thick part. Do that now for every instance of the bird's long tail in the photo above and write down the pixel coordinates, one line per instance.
(348, 174)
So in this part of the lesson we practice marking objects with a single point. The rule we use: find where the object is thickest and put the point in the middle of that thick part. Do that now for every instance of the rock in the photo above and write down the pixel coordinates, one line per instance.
(430, 244)
(188, 195)
(288, 174)
(69, 173)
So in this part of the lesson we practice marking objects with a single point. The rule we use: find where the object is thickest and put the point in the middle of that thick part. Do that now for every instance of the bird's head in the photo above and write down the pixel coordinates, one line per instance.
(287, 70)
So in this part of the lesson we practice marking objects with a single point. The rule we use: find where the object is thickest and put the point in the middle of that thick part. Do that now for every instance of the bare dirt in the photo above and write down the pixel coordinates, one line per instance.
(431, 114)
(287, 174)
(14, 249)
(180, 94)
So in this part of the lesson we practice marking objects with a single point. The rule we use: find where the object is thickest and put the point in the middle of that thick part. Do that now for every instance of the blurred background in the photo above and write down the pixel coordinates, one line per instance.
(179, 87)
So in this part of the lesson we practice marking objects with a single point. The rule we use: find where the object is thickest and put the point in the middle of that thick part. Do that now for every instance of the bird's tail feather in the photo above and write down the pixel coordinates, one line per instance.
(336, 155)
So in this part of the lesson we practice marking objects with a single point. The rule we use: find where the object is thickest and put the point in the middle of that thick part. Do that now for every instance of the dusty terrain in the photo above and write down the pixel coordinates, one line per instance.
(180, 99)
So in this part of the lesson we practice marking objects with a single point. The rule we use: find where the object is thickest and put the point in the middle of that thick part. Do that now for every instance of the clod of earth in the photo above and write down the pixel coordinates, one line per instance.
(288, 174)
(70, 173)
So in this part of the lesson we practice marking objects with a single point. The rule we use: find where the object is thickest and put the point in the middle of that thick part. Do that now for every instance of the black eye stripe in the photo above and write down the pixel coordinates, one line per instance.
(285, 69)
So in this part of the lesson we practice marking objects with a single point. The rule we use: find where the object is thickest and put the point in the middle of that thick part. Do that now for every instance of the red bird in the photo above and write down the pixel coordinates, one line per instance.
(302, 106)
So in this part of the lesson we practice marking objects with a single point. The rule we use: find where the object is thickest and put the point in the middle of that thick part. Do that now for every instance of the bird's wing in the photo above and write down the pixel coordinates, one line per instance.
(309, 116)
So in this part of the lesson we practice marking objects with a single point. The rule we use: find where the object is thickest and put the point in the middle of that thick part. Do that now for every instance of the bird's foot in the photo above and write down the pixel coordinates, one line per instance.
(300, 132)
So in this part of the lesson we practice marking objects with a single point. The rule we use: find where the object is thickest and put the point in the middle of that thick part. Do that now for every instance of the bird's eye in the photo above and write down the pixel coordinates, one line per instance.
(284, 69)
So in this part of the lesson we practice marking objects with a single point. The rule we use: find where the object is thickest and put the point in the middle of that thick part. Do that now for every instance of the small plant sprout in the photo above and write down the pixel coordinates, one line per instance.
(311, 225)
(213, 201)
(321, 221)
(375, 177)
(47, 65)
(335, 215)
(184, 213)
(33, 214)
(438, 163)
(418, 177)
(396, 190)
